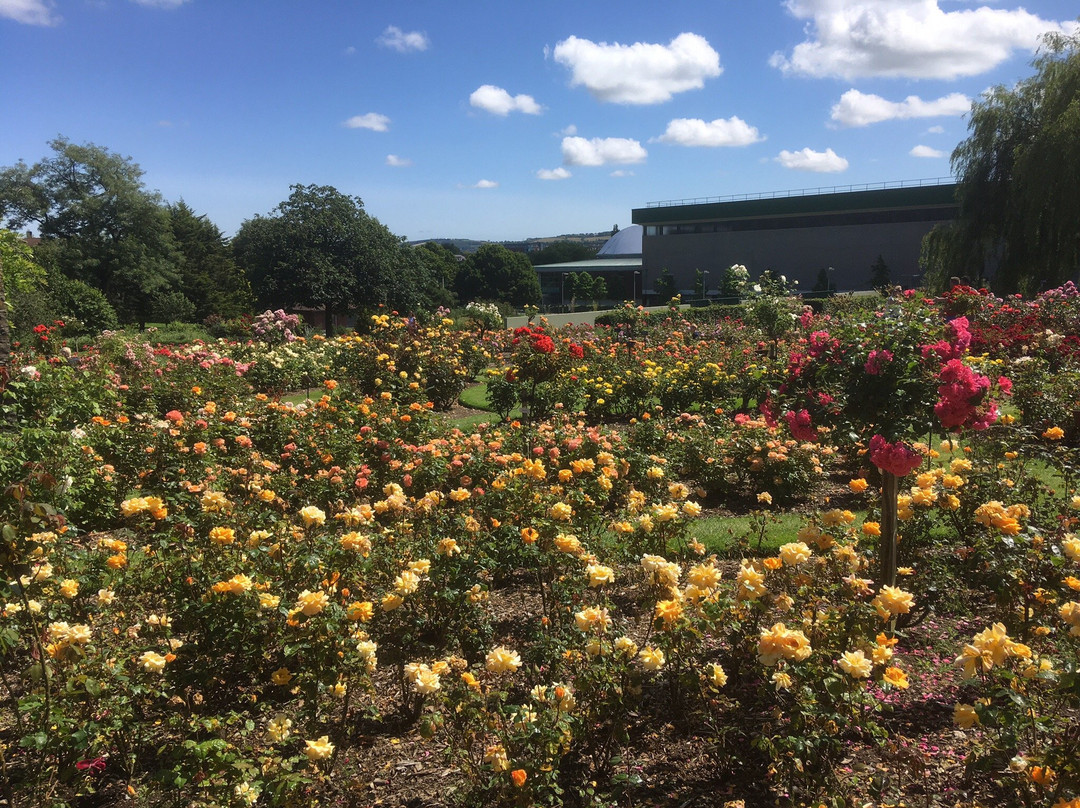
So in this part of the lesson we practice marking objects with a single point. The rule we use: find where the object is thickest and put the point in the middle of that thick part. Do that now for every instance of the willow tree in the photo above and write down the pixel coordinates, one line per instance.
(1018, 176)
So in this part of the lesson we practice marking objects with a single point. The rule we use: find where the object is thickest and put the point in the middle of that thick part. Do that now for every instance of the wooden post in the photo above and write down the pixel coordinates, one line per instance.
(887, 549)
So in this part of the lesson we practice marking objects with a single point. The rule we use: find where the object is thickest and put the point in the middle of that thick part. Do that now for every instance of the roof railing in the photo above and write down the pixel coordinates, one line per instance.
(833, 189)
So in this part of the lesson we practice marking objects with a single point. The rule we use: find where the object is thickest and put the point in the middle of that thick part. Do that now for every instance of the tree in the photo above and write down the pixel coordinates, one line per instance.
(599, 290)
(579, 284)
(879, 274)
(1018, 181)
(562, 252)
(18, 273)
(210, 278)
(496, 273)
(108, 229)
(320, 248)
(442, 262)
(665, 287)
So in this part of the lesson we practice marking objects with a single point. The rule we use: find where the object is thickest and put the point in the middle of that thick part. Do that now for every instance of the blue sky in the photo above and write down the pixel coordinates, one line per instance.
(506, 120)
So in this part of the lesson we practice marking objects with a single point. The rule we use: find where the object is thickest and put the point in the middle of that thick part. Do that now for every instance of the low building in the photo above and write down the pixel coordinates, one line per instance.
(618, 262)
(830, 234)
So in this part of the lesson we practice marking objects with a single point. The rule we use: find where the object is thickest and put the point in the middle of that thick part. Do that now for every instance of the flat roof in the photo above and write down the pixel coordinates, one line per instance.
(903, 196)
(595, 264)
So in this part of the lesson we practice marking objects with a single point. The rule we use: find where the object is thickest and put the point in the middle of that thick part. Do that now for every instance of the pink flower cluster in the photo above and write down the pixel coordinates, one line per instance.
(800, 426)
(897, 458)
(877, 361)
(963, 399)
(955, 344)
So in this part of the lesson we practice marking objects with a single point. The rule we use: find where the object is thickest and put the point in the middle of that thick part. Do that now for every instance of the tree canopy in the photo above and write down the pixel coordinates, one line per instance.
(1019, 181)
(320, 248)
(210, 278)
(107, 228)
(495, 273)
(562, 252)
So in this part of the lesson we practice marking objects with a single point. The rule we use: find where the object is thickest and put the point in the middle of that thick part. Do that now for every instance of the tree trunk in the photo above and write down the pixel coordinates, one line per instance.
(887, 548)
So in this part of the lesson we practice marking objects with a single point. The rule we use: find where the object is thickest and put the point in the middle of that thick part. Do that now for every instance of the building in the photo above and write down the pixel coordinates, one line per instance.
(618, 262)
(833, 235)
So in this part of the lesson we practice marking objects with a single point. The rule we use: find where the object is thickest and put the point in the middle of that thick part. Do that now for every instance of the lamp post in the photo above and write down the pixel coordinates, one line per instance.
(704, 284)
(637, 279)
(562, 289)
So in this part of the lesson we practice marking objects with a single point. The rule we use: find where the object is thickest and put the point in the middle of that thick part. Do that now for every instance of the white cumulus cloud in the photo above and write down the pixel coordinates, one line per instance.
(827, 161)
(862, 109)
(498, 101)
(161, 3)
(486, 184)
(372, 120)
(733, 131)
(397, 162)
(907, 38)
(559, 173)
(579, 151)
(935, 130)
(622, 172)
(642, 73)
(403, 41)
(29, 12)
(926, 151)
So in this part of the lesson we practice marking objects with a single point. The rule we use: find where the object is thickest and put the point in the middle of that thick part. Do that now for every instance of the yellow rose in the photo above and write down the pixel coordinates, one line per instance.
(502, 660)
(855, 664)
(152, 661)
(319, 749)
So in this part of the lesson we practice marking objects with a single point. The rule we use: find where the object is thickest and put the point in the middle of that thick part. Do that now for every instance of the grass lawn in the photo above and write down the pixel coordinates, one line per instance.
(721, 534)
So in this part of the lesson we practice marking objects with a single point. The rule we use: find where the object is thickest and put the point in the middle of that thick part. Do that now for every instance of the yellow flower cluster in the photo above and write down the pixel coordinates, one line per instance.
(891, 601)
(988, 648)
(154, 506)
(1004, 519)
(780, 642)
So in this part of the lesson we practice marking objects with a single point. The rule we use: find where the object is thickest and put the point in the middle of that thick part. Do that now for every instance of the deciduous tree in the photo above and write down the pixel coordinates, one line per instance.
(320, 248)
(108, 229)
(496, 273)
(1019, 181)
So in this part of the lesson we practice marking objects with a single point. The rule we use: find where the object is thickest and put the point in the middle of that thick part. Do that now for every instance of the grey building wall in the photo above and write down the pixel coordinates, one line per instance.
(799, 253)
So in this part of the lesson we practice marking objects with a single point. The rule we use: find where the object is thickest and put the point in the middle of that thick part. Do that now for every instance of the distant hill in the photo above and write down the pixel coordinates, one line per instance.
(468, 245)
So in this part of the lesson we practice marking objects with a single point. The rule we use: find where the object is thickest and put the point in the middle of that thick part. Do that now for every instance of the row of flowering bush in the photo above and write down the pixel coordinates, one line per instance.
(220, 602)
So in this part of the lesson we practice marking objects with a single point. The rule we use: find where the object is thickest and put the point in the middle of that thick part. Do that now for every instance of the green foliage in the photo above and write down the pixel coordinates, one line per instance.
(495, 273)
(562, 252)
(442, 263)
(879, 274)
(21, 272)
(209, 275)
(320, 248)
(172, 306)
(664, 287)
(98, 222)
(77, 302)
(1019, 181)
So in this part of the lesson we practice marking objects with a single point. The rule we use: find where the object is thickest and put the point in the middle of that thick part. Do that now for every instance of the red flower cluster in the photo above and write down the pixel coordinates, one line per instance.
(897, 458)
(963, 398)
(541, 342)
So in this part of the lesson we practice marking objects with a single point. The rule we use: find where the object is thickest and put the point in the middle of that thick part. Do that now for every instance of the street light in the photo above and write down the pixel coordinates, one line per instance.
(562, 288)
(704, 284)
(637, 276)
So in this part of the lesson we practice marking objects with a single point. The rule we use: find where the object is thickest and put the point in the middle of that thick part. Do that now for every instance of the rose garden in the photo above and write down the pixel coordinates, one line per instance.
(771, 555)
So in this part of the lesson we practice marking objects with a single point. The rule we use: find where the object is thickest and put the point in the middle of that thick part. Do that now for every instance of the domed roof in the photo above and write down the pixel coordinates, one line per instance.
(626, 242)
